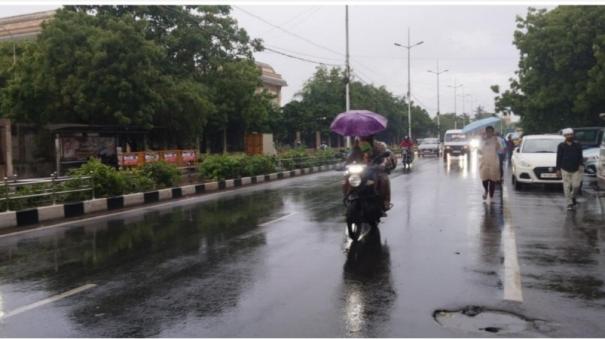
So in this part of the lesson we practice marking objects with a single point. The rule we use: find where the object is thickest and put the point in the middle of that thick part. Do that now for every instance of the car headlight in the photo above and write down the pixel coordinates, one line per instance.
(447, 147)
(475, 143)
(524, 163)
(355, 180)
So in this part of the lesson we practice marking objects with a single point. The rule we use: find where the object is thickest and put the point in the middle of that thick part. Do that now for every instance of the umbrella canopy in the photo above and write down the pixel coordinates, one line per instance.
(481, 123)
(358, 123)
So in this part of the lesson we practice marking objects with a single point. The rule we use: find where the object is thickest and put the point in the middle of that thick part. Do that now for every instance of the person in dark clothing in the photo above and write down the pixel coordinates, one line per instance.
(569, 166)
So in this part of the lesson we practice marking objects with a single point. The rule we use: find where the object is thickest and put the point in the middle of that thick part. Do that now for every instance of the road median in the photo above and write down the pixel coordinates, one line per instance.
(14, 220)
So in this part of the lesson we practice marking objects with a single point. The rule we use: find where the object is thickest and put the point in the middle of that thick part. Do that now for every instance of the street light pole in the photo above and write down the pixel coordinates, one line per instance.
(437, 73)
(409, 47)
(455, 87)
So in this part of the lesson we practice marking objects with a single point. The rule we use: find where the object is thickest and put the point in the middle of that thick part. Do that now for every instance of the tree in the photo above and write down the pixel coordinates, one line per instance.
(561, 76)
(323, 97)
(171, 68)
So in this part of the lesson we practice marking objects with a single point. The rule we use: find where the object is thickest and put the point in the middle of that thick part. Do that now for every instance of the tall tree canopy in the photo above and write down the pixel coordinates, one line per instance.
(561, 77)
(169, 67)
(323, 97)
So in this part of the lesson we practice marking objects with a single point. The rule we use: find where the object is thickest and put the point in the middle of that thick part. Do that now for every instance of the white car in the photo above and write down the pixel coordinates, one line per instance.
(429, 146)
(591, 159)
(535, 159)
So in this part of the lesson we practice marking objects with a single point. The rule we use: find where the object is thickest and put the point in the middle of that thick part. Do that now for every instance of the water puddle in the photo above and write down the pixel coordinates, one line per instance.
(481, 320)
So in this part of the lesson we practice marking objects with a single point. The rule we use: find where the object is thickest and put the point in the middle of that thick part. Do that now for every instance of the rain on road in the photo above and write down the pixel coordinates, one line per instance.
(270, 260)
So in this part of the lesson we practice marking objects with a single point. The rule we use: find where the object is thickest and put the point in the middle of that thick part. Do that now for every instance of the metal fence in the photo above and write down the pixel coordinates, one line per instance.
(303, 162)
(18, 194)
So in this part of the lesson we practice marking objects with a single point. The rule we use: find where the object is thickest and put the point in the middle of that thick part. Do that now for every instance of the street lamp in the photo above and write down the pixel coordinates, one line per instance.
(409, 46)
(455, 87)
(13, 39)
(437, 73)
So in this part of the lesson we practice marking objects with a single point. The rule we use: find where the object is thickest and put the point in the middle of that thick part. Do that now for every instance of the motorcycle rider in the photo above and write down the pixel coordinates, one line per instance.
(365, 150)
(406, 145)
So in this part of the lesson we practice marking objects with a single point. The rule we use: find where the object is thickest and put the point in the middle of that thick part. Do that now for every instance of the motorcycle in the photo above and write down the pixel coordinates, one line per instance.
(406, 158)
(364, 205)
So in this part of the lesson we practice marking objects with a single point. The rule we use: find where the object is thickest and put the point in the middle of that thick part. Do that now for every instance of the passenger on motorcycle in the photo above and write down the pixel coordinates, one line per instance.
(365, 150)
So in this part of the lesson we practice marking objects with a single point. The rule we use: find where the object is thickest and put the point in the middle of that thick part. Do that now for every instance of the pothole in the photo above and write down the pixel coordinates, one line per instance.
(482, 320)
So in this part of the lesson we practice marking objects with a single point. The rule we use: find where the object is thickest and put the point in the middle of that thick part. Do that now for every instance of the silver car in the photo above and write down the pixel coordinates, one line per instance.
(428, 146)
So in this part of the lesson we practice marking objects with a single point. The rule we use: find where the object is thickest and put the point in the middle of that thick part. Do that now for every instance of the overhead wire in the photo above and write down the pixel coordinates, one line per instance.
(292, 20)
(288, 32)
(300, 58)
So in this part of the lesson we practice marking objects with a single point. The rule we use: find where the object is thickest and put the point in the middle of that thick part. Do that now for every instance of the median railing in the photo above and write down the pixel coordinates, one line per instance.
(20, 194)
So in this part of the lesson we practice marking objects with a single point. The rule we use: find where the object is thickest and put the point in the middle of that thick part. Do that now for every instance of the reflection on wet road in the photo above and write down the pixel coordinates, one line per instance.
(271, 260)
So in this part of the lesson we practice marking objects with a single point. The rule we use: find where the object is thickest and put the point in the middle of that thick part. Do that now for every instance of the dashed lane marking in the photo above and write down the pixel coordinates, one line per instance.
(512, 273)
(46, 301)
(278, 219)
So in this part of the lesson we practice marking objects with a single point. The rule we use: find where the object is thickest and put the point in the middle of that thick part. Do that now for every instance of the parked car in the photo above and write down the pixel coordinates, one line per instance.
(601, 165)
(588, 137)
(455, 143)
(429, 146)
(591, 160)
(534, 161)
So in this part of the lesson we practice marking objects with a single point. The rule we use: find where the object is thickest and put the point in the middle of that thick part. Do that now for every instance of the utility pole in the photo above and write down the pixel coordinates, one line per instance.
(455, 87)
(409, 47)
(347, 72)
(437, 73)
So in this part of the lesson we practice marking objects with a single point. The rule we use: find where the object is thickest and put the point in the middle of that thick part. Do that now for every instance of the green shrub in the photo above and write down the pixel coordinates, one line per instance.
(220, 167)
(162, 173)
(257, 164)
(294, 158)
(107, 180)
(136, 181)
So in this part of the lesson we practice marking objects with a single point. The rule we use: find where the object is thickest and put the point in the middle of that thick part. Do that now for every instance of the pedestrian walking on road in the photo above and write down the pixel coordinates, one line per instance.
(569, 166)
(501, 154)
(489, 164)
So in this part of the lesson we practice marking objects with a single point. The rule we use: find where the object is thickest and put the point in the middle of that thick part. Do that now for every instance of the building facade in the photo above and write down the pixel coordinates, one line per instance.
(272, 81)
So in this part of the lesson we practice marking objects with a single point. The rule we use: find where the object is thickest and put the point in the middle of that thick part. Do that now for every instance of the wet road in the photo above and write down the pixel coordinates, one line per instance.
(270, 261)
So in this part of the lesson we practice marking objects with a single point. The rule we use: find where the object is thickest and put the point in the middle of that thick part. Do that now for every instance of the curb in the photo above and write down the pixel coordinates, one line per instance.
(33, 216)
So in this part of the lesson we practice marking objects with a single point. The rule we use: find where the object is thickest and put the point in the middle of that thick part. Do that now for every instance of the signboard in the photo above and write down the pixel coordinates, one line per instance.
(170, 157)
(80, 148)
(188, 156)
(130, 159)
(151, 157)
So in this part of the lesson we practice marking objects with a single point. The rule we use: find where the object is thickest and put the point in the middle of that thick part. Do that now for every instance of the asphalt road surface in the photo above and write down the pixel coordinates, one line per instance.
(273, 261)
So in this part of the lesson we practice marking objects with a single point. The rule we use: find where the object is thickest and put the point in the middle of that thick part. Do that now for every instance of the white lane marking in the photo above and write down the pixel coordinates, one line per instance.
(512, 273)
(278, 219)
(47, 301)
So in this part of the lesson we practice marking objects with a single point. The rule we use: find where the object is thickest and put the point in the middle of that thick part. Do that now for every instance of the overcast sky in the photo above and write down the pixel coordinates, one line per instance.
(473, 42)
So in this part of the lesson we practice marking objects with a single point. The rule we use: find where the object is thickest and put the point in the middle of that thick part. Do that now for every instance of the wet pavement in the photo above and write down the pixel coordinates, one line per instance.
(271, 261)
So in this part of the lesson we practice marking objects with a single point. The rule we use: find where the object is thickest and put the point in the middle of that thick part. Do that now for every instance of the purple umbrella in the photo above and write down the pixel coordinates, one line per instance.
(358, 123)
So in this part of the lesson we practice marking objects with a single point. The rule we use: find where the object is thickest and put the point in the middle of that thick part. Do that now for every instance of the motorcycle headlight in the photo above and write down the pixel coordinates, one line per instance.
(355, 169)
(355, 180)
(475, 143)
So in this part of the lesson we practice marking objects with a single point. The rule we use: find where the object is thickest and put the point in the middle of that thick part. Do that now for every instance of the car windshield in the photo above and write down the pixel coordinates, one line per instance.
(428, 141)
(455, 137)
(540, 145)
(587, 136)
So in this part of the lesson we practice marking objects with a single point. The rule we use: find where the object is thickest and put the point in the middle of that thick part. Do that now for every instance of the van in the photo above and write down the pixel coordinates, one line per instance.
(455, 143)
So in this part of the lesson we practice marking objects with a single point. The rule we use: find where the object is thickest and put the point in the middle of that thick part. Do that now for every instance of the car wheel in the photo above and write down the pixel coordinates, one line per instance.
(518, 185)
